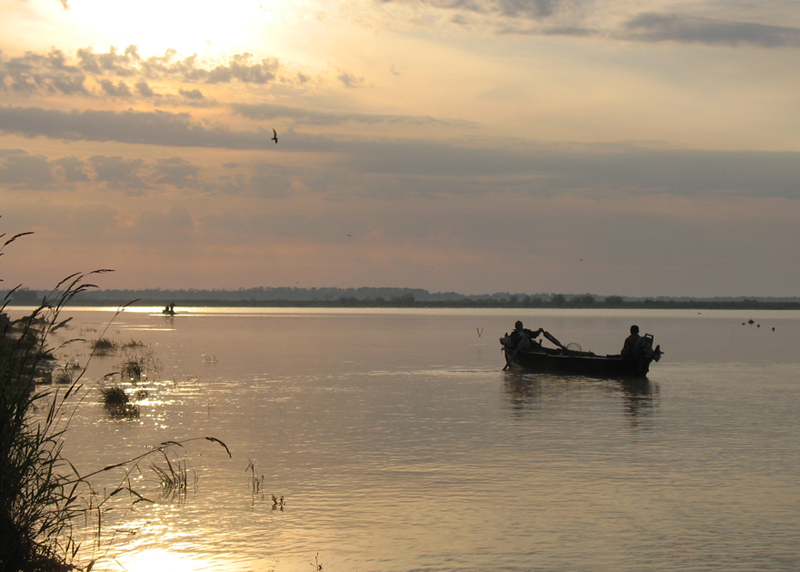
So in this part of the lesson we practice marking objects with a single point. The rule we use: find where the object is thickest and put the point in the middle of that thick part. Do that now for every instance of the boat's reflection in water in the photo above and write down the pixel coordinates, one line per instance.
(529, 392)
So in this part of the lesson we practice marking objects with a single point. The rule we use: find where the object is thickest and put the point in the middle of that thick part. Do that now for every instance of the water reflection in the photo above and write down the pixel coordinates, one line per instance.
(527, 392)
(161, 560)
(640, 397)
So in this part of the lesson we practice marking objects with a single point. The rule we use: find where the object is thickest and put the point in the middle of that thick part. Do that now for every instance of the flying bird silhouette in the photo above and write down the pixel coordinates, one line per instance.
(275, 136)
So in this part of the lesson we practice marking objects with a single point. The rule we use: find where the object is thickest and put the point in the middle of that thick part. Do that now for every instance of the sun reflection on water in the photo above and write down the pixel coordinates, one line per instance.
(162, 560)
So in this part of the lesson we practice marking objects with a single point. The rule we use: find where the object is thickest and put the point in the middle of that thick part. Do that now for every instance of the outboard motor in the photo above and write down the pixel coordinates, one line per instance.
(644, 348)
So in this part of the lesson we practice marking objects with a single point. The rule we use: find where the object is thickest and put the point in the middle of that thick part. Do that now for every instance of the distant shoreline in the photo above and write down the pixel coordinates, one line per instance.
(643, 304)
(379, 297)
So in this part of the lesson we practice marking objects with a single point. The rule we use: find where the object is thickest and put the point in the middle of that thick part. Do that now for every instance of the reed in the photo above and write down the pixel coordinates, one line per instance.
(103, 346)
(113, 395)
(173, 477)
(256, 482)
(42, 495)
(62, 377)
(137, 366)
(38, 493)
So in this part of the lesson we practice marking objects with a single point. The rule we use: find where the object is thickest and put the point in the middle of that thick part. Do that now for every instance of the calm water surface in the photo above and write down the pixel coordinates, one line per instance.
(399, 444)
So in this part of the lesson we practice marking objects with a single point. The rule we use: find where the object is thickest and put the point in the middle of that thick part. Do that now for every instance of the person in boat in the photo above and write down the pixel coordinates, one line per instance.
(522, 338)
(629, 347)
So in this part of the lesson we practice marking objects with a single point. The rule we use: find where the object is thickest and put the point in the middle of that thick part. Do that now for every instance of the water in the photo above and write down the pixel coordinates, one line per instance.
(399, 444)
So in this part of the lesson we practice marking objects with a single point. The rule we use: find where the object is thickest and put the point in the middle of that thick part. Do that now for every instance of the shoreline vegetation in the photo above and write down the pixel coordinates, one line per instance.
(398, 298)
(53, 517)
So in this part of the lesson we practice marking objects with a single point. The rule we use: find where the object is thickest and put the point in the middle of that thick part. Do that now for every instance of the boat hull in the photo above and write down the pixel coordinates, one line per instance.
(576, 363)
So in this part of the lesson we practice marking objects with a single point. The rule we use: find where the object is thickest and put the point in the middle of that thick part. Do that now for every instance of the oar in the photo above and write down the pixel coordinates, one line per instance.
(552, 338)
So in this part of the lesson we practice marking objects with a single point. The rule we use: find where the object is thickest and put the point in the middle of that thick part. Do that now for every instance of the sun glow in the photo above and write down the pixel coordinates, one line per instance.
(187, 26)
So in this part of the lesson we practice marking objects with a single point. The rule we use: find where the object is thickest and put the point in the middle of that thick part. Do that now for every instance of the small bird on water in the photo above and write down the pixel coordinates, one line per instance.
(275, 136)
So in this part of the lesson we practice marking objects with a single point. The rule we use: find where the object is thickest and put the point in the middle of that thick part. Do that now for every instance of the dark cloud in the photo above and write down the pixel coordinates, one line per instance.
(118, 172)
(422, 165)
(433, 168)
(23, 170)
(654, 27)
(529, 9)
(72, 169)
(349, 80)
(118, 90)
(195, 94)
(144, 89)
(177, 172)
(316, 117)
(152, 128)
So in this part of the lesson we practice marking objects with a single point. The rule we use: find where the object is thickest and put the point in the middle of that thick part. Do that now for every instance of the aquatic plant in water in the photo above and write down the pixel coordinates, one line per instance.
(41, 493)
(103, 346)
(117, 402)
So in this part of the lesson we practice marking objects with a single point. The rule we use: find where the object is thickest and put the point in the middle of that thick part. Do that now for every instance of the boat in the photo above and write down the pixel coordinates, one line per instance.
(571, 360)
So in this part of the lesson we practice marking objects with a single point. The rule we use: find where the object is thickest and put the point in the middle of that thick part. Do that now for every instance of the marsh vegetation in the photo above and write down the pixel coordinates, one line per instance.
(48, 509)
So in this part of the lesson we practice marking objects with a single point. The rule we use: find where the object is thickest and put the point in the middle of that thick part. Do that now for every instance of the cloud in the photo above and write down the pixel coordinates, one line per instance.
(72, 169)
(307, 116)
(151, 128)
(655, 27)
(195, 94)
(119, 90)
(529, 9)
(118, 171)
(143, 89)
(177, 172)
(349, 80)
(55, 72)
(590, 18)
(23, 170)
(33, 72)
(382, 165)
(121, 64)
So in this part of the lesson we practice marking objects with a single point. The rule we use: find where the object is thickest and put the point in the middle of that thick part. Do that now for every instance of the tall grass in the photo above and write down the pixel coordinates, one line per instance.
(39, 493)
(42, 495)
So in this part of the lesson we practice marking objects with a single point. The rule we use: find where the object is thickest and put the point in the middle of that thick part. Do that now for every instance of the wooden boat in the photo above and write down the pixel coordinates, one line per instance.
(565, 361)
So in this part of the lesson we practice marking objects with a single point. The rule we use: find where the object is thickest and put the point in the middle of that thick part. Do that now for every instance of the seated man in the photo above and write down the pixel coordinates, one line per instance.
(522, 338)
(629, 348)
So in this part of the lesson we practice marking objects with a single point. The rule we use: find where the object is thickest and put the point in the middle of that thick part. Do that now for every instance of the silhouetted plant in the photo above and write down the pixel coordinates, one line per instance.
(38, 495)
(117, 402)
(103, 346)
(41, 493)
(62, 377)
(138, 366)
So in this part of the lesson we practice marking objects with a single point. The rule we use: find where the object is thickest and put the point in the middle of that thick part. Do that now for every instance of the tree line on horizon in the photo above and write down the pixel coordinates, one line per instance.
(397, 297)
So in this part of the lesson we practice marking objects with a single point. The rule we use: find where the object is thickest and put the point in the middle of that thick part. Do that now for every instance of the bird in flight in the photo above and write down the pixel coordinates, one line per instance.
(275, 136)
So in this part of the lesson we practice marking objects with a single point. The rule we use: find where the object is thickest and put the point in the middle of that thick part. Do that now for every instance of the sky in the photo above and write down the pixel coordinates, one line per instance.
(612, 147)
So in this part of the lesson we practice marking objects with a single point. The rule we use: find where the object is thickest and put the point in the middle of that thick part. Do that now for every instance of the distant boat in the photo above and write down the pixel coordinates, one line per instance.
(567, 361)
(169, 310)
